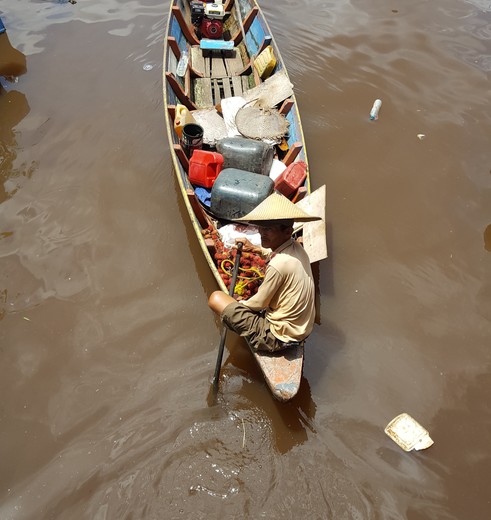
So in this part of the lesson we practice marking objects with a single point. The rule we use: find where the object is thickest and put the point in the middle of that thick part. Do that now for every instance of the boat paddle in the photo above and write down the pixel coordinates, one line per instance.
(224, 330)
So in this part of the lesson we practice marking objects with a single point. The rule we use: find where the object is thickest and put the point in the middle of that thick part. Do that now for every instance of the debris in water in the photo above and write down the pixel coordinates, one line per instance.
(243, 438)
(408, 433)
(376, 107)
(421, 136)
(147, 66)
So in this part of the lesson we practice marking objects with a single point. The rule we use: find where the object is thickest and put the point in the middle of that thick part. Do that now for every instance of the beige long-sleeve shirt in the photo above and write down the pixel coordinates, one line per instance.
(287, 293)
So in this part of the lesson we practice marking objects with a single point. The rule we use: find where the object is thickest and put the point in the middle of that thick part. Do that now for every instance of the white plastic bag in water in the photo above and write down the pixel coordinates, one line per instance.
(408, 433)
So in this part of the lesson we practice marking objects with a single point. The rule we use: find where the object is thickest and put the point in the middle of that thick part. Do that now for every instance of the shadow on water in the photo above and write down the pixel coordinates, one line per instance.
(13, 108)
(459, 444)
(290, 422)
(323, 274)
(207, 280)
(12, 61)
(487, 238)
(242, 382)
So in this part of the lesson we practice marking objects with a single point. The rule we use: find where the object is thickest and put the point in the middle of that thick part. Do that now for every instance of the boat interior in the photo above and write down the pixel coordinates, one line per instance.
(220, 68)
(216, 73)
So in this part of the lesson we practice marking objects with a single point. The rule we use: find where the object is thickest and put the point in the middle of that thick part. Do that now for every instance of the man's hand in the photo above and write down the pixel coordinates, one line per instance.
(248, 246)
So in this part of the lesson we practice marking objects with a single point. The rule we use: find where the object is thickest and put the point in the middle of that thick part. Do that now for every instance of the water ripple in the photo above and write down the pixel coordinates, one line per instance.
(24, 17)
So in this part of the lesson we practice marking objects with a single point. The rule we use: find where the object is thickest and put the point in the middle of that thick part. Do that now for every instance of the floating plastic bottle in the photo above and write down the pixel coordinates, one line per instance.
(375, 109)
(183, 64)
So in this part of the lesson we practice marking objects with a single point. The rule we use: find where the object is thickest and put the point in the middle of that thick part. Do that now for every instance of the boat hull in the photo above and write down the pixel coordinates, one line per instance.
(282, 371)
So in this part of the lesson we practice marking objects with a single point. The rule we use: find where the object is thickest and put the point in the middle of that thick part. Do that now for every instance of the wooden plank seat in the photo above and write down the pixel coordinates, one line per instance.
(216, 75)
(208, 92)
(216, 64)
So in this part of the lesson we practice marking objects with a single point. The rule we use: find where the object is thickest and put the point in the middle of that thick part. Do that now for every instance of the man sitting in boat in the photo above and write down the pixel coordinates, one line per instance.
(281, 313)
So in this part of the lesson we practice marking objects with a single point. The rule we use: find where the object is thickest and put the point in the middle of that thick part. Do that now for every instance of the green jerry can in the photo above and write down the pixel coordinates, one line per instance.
(237, 192)
(246, 154)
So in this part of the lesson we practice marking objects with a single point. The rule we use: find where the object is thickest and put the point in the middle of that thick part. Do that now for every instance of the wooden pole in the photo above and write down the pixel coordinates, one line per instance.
(218, 366)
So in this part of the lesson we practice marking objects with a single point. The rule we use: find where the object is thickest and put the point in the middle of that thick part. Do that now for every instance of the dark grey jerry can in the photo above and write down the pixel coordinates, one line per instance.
(237, 192)
(246, 154)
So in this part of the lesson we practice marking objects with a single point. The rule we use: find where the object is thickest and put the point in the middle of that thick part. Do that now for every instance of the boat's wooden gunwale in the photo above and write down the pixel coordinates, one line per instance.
(182, 179)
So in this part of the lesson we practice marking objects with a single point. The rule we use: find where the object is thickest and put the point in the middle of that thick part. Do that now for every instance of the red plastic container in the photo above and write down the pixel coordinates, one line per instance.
(291, 179)
(204, 167)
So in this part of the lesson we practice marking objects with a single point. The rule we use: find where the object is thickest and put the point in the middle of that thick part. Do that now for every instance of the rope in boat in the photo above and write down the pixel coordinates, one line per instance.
(241, 285)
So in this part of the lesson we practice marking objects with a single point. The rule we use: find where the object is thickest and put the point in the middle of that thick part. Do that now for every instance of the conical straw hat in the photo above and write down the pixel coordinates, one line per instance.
(277, 207)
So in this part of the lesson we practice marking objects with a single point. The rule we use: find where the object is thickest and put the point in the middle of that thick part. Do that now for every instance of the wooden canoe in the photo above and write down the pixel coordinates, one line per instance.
(212, 76)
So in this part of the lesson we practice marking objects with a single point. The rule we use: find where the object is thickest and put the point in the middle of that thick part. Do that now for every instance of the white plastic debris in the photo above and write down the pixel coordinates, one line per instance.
(231, 232)
(182, 66)
(376, 107)
(421, 136)
(408, 433)
(277, 168)
(230, 107)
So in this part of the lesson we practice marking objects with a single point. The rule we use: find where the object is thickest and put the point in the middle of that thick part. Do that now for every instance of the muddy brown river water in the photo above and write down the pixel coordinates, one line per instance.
(107, 346)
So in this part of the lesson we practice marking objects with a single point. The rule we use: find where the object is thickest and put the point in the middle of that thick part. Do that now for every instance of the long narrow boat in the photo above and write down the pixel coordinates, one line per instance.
(219, 61)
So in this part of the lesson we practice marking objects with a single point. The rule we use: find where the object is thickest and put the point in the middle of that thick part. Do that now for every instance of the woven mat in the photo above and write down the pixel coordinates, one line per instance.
(261, 123)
